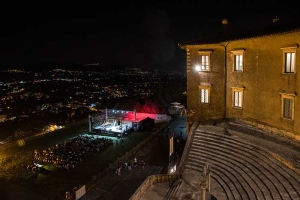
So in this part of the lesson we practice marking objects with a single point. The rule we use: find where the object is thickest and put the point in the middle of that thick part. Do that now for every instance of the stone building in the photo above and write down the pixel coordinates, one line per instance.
(248, 77)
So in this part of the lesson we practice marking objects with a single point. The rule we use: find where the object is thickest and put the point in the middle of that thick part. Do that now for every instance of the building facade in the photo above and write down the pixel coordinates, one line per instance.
(248, 77)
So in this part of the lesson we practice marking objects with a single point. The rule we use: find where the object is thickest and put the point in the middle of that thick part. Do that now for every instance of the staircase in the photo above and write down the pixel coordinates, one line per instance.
(172, 191)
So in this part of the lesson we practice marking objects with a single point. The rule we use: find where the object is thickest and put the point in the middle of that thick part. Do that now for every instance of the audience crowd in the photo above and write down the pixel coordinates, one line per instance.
(71, 152)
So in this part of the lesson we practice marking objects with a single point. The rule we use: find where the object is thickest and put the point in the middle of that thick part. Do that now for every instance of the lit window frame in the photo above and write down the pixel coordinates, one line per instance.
(238, 53)
(206, 88)
(286, 51)
(240, 104)
(291, 97)
(204, 53)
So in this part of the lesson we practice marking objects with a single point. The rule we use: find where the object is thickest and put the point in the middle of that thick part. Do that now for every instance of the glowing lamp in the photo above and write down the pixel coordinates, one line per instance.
(198, 68)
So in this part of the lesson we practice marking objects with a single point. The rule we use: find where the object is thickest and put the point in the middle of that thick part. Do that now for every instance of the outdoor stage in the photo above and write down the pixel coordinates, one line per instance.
(120, 122)
(111, 130)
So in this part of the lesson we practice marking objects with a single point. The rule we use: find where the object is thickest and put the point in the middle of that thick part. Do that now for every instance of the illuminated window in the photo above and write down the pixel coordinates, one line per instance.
(237, 97)
(289, 59)
(238, 60)
(289, 62)
(204, 94)
(204, 62)
(287, 106)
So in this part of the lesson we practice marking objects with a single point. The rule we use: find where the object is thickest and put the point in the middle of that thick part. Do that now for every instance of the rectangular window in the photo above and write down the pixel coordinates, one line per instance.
(238, 62)
(204, 60)
(204, 92)
(237, 97)
(204, 63)
(289, 66)
(238, 59)
(204, 95)
(289, 58)
(287, 106)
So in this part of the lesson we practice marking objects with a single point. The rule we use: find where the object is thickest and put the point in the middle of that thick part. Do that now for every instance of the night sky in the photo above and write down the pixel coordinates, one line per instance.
(130, 34)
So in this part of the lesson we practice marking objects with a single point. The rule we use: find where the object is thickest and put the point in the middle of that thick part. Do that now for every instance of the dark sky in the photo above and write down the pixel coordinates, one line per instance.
(113, 32)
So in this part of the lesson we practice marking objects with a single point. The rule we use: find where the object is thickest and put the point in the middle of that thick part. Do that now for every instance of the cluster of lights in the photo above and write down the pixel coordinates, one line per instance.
(116, 111)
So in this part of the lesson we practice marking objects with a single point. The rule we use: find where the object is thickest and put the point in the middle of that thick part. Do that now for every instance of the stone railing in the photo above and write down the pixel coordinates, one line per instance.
(186, 150)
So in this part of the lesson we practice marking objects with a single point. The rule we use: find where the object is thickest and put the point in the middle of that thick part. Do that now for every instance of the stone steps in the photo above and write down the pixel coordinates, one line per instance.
(238, 184)
(244, 162)
(243, 170)
(255, 154)
(270, 176)
(226, 190)
(172, 191)
(258, 153)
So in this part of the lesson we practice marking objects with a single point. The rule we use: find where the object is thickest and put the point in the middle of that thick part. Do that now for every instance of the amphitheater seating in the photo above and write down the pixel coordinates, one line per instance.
(239, 170)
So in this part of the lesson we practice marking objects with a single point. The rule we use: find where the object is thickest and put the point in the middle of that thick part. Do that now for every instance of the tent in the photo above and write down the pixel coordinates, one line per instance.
(147, 124)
